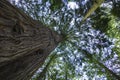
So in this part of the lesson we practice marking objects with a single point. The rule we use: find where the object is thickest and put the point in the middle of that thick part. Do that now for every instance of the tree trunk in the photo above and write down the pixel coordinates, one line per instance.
(24, 43)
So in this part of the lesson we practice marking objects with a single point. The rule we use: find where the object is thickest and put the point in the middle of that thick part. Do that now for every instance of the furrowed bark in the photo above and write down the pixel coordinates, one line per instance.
(24, 43)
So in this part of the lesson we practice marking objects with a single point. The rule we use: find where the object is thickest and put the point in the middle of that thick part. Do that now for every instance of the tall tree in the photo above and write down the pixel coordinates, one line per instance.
(90, 48)
(24, 43)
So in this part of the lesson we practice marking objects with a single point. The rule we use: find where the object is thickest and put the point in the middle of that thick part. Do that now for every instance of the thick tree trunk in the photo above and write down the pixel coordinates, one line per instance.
(24, 43)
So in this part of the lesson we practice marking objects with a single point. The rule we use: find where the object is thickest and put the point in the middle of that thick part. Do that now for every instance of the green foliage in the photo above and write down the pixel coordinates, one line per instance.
(55, 4)
(109, 23)
(90, 50)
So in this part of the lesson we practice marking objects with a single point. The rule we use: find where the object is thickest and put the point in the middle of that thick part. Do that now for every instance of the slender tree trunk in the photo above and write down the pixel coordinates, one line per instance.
(24, 43)
(95, 61)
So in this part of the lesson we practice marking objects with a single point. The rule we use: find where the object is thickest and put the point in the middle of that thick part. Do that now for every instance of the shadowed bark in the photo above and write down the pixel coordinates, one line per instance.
(24, 43)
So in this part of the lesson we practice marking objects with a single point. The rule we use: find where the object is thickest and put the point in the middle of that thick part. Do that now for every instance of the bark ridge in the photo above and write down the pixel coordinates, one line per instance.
(24, 43)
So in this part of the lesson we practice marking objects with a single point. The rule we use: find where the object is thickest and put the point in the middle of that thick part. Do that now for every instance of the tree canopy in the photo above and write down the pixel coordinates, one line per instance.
(91, 30)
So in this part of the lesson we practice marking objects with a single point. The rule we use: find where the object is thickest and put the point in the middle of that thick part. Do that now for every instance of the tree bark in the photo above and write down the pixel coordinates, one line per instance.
(24, 43)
